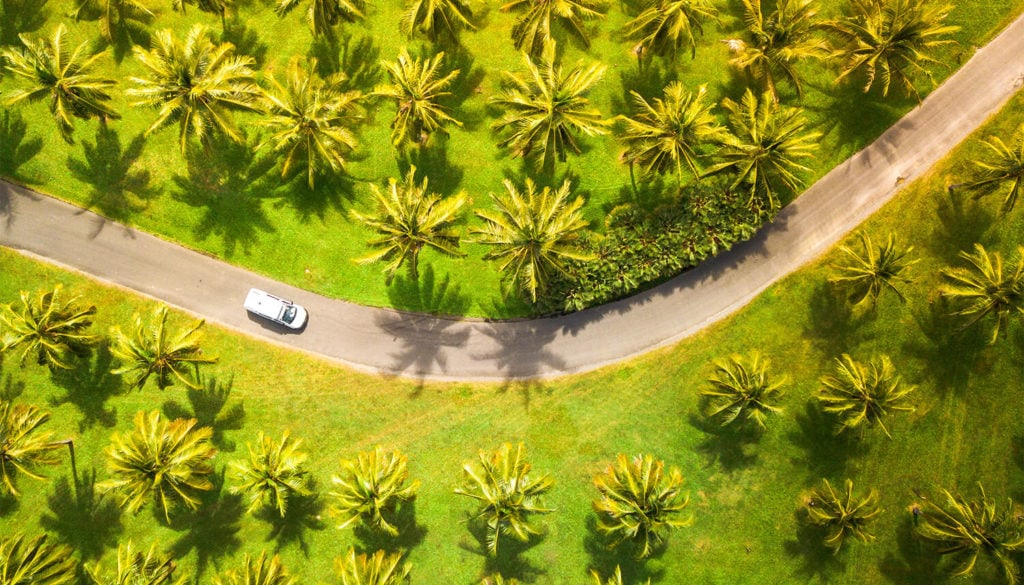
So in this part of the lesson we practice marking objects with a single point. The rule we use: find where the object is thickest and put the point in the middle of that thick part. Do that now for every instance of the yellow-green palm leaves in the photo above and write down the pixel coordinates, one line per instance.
(984, 289)
(532, 30)
(865, 273)
(532, 233)
(155, 351)
(62, 76)
(160, 460)
(640, 503)
(842, 513)
(36, 562)
(22, 448)
(613, 579)
(49, 326)
(136, 568)
(272, 475)
(380, 568)
(323, 15)
(740, 387)
(408, 218)
(370, 488)
(666, 26)
(506, 493)
(1003, 169)
(256, 571)
(435, 17)
(416, 86)
(864, 394)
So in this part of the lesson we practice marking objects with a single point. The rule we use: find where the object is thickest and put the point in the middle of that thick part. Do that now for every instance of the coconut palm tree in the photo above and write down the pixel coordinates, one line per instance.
(666, 26)
(369, 489)
(983, 289)
(45, 324)
(311, 119)
(532, 233)
(497, 579)
(323, 15)
(409, 218)
(118, 17)
(436, 17)
(272, 475)
(195, 84)
(155, 351)
(532, 30)
(967, 529)
(741, 387)
(23, 450)
(866, 394)
(639, 503)
(507, 495)
(166, 461)
(379, 568)
(545, 105)
(842, 514)
(890, 41)
(778, 42)
(36, 562)
(62, 76)
(613, 579)
(416, 86)
(763, 148)
(136, 568)
(1003, 170)
(258, 571)
(866, 273)
(670, 134)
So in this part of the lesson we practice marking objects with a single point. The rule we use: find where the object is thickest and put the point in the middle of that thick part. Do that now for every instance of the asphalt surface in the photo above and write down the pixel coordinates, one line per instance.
(389, 342)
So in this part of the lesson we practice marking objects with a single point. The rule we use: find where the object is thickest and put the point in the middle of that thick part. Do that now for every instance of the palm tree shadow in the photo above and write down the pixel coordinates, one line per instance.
(208, 408)
(246, 40)
(15, 150)
(466, 85)
(211, 530)
(649, 81)
(12, 388)
(230, 181)
(510, 559)
(914, 562)
(818, 561)
(89, 387)
(433, 162)
(729, 446)
(304, 513)
(331, 191)
(83, 518)
(832, 323)
(826, 453)
(21, 16)
(945, 338)
(864, 118)
(604, 559)
(962, 222)
(358, 58)
(427, 295)
(410, 533)
(522, 351)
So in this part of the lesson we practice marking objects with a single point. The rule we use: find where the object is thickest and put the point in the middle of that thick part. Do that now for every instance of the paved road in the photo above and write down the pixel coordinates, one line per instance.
(391, 342)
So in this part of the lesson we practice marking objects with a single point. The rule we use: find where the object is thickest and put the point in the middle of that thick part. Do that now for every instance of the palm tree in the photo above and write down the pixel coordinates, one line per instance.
(36, 562)
(857, 393)
(532, 233)
(1004, 170)
(665, 26)
(434, 17)
(842, 514)
(890, 40)
(49, 326)
(195, 84)
(369, 489)
(258, 571)
(613, 579)
(545, 105)
(497, 579)
(671, 133)
(272, 475)
(416, 86)
(741, 387)
(766, 141)
(506, 494)
(311, 119)
(639, 502)
(867, 273)
(982, 289)
(323, 15)
(22, 449)
(166, 461)
(63, 77)
(966, 529)
(409, 218)
(156, 351)
(532, 30)
(136, 568)
(118, 16)
(778, 42)
(379, 568)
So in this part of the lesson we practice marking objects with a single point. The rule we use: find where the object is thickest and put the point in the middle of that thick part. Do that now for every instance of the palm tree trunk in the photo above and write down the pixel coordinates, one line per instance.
(632, 179)
(74, 466)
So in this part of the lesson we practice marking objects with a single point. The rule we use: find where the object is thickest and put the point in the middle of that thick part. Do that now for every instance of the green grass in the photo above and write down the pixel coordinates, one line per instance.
(745, 490)
(232, 203)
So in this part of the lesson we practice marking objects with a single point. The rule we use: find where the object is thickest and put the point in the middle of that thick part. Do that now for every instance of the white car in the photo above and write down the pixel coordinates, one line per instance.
(275, 309)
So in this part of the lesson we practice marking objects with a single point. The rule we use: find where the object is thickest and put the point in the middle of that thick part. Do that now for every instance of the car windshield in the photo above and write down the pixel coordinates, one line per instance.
(289, 314)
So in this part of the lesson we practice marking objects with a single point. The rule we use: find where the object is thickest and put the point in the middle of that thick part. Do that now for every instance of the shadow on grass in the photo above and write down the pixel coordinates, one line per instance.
(961, 223)
(89, 387)
(648, 80)
(949, 351)
(427, 294)
(304, 514)
(229, 181)
(816, 560)
(432, 161)
(8, 504)
(330, 191)
(246, 40)
(211, 531)
(410, 534)
(81, 517)
(825, 453)
(865, 116)
(509, 560)
(728, 446)
(21, 17)
(208, 405)
(357, 57)
(914, 562)
(604, 559)
(12, 388)
(465, 86)
(117, 192)
(832, 324)
(15, 148)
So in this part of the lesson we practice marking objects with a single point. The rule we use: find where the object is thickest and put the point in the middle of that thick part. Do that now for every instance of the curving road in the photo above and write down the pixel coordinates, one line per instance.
(390, 342)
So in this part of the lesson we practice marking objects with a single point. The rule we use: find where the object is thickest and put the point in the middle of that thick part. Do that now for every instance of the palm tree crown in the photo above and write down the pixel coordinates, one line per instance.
(54, 328)
(22, 448)
(741, 387)
(380, 568)
(154, 351)
(842, 514)
(272, 475)
(531, 233)
(136, 568)
(532, 30)
(665, 26)
(323, 15)
(36, 562)
(435, 17)
(196, 84)
(409, 218)
(369, 489)
(1004, 169)
(545, 105)
(867, 273)
(416, 86)
(984, 288)
(864, 394)
(61, 75)
(257, 571)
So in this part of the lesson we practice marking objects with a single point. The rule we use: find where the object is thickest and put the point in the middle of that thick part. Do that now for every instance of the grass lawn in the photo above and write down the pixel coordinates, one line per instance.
(745, 490)
(232, 203)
